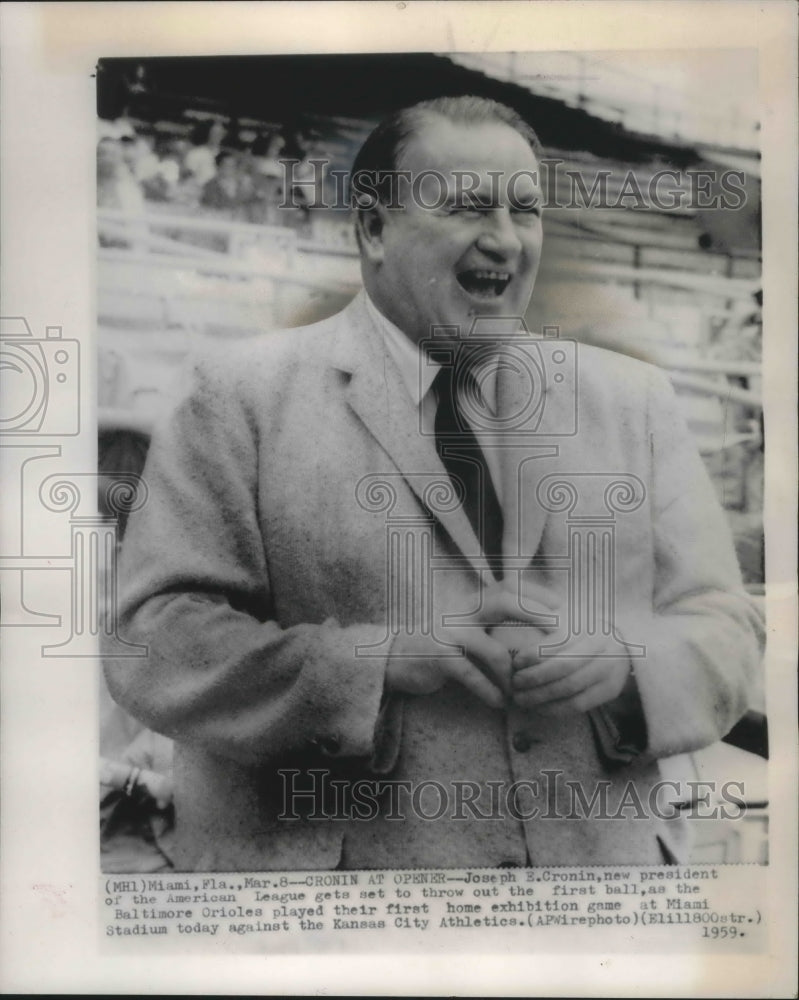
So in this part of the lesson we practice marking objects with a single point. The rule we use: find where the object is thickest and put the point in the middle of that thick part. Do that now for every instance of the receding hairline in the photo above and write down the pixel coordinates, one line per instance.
(426, 117)
(382, 148)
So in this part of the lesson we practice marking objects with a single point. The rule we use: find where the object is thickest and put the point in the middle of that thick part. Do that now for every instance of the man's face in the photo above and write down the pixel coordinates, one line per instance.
(226, 169)
(109, 157)
(129, 153)
(216, 133)
(476, 252)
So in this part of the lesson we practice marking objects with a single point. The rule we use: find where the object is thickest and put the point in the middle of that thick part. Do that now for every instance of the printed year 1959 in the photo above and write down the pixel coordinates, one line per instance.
(720, 932)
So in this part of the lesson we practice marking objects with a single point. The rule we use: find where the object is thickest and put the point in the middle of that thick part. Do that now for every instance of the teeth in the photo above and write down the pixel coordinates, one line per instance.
(491, 275)
(484, 282)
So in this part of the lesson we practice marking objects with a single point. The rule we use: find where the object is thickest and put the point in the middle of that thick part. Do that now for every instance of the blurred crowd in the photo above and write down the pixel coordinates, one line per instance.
(216, 170)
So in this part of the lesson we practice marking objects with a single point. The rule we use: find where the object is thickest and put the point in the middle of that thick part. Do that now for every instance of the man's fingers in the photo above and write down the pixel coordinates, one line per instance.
(531, 654)
(592, 697)
(539, 594)
(598, 681)
(490, 656)
(563, 687)
(475, 661)
(572, 656)
(500, 606)
(473, 679)
(530, 671)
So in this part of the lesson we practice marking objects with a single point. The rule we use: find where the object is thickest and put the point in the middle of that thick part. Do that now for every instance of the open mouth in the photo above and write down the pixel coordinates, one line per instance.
(484, 284)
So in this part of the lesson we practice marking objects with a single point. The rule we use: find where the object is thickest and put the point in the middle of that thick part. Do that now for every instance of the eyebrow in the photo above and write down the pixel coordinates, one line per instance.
(481, 200)
(476, 199)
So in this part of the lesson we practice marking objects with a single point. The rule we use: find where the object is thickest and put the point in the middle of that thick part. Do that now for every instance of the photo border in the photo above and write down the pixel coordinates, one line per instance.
(49, 746)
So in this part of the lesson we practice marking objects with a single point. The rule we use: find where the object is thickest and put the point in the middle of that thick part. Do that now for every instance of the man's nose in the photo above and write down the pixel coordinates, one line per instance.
(498, 237)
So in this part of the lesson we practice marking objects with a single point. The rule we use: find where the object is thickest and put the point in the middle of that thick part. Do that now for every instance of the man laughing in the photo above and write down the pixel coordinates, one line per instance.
(378, 628)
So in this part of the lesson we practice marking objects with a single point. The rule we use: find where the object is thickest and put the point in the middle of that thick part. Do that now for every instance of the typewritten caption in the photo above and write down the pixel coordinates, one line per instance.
(668, 908)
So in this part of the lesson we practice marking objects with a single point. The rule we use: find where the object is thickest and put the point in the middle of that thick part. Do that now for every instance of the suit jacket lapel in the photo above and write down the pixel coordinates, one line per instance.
(379, 398)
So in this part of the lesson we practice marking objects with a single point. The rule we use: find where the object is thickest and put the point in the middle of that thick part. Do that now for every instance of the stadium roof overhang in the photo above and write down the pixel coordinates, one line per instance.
(296, 90)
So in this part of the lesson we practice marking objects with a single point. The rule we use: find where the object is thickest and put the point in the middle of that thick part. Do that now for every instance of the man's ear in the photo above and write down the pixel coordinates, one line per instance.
(370, 225)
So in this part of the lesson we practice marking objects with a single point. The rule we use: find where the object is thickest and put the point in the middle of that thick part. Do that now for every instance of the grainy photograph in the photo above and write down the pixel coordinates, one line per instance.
(398, 440)
(430, 424)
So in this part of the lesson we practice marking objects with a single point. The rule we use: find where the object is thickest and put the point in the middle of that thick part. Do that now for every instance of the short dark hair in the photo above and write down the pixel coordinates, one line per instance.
(382, 151)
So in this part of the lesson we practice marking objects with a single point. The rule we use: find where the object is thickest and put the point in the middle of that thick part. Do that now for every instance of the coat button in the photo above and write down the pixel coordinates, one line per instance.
(521, 742)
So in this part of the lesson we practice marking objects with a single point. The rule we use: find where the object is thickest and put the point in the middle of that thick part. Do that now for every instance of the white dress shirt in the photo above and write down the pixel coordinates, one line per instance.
(418, 374)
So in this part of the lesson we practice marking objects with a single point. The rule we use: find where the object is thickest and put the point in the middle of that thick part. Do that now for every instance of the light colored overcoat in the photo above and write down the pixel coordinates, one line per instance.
(260, 574)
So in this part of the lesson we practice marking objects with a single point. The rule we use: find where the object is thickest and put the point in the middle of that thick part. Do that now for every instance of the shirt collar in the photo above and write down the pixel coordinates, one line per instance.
(416, 375)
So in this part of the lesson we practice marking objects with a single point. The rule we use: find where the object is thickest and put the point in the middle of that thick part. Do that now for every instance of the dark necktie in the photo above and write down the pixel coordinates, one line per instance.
(464, 460)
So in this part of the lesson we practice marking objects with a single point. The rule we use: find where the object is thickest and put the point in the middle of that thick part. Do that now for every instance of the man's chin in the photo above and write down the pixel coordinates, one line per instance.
(507, 304)
(467, 316)
(463, 316)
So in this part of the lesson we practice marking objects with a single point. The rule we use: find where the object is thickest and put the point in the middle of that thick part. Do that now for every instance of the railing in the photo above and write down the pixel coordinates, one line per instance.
(140, 230)
(261, 267)
(279, 250)
(170, 270)
(706, 284)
